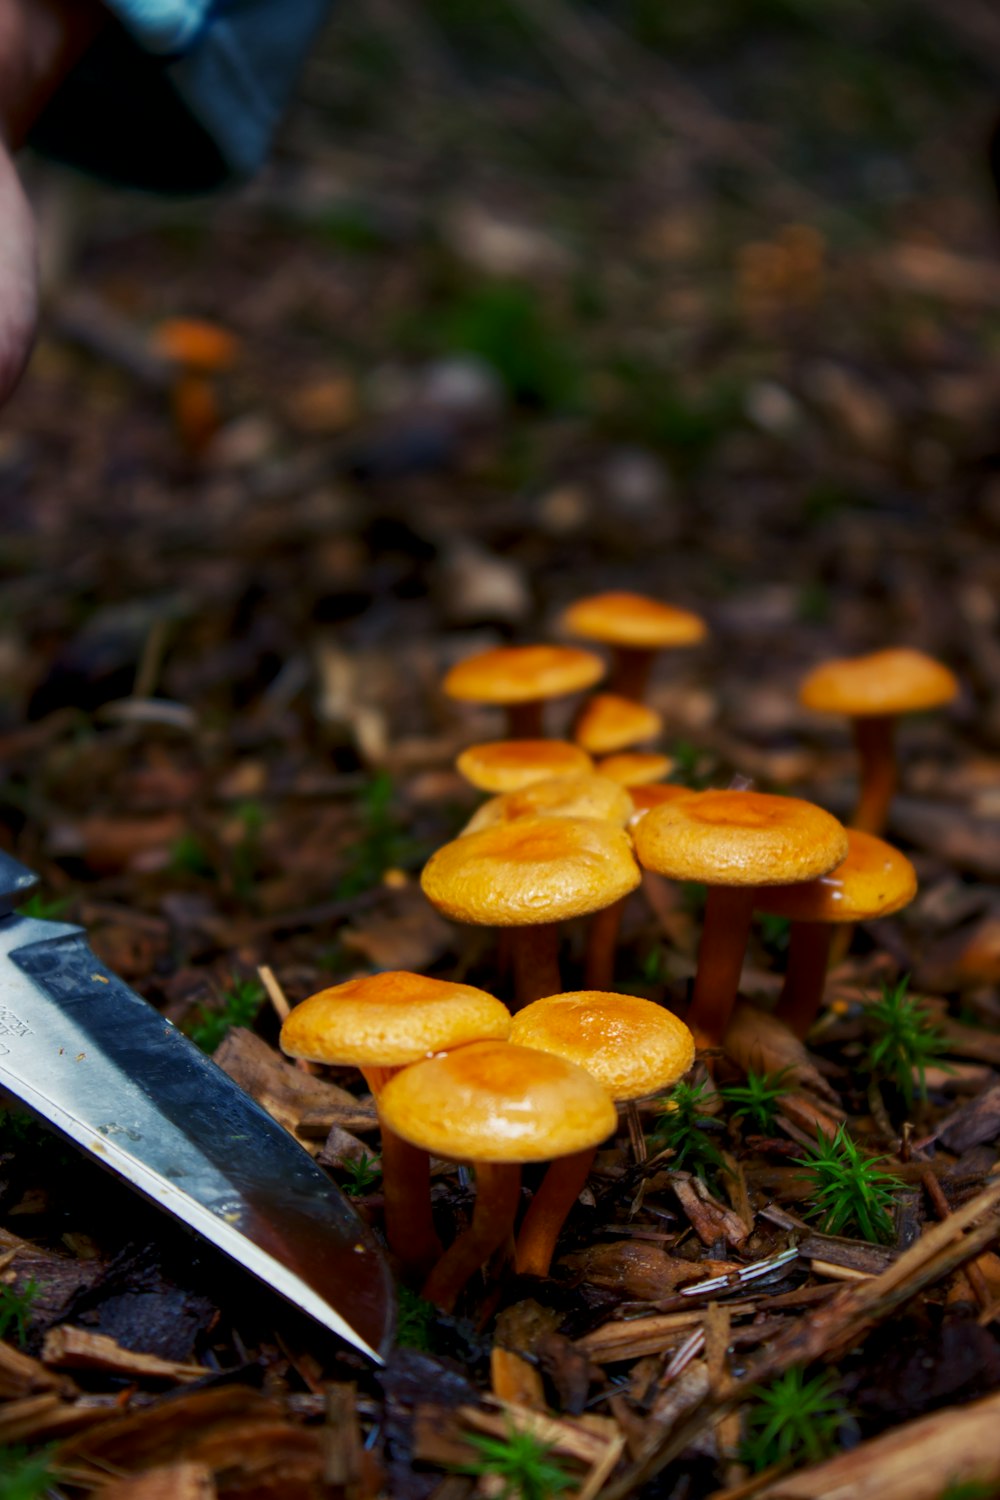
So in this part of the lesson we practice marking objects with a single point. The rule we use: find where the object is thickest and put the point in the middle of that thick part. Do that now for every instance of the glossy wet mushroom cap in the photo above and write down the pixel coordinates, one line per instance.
(896, 681)
(390, 1019)
(635, 767)
(531, 870)
(522, 679)
(631, 1046)
(621, 618)
(740, 838)
(509, 765)
(565, 797)
(874, 691)
(874, 880)
(497, 1102)
(735, 842)
(607, 723)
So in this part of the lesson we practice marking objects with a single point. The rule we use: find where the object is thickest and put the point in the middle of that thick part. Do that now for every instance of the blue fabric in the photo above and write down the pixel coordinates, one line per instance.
(182, 94)
(162, 26)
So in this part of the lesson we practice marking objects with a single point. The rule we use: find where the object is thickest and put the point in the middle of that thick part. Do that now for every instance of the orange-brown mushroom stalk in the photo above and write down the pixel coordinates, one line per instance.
(633, 1048)
(873, 881)
(873, 691)
(521, 679)
(527, 875)
(378, 1024)
(636, 628)
(734, 842)
(495, 1105)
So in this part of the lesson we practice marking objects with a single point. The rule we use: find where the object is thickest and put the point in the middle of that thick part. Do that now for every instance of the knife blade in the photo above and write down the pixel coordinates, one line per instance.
(109, 1072)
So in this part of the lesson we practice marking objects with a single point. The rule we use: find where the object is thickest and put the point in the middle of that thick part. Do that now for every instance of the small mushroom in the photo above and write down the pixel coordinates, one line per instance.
(632, 1047)
(635, 767)
(528, 875)
(873, 881)
(873, 691)
(522, 679)
(380, 1023)
(201, 351)
(734, 842)
(494, 1105)
(607, 723)
(636, 628)
(585, 796)
(509, 765)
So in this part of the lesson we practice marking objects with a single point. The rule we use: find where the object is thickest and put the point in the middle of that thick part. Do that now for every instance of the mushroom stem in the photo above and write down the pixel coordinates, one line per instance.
(630, 669)
(535, 952)
(724, 936)
(558, 1191)
(498, 1192)
(525, 720)
(874, 736)
(602, 940)
(406, 1186)
(805, 975)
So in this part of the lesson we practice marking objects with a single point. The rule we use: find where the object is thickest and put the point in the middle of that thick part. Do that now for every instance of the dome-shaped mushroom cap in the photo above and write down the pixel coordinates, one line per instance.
(522, 674)
(493, 1101)
(608, 722)
(897, 681)
(873, 881)
(632, 620)
(740, 838)
(508, 765)
(632, 1047)
(635, 767)
(531, 870)
(388, 1020)
(562, 797)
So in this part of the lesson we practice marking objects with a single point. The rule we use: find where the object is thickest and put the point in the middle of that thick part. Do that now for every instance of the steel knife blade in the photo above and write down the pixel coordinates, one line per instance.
(109, 1072)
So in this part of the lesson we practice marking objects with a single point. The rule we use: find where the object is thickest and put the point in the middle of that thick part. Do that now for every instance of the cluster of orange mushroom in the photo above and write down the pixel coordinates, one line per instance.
(569, 828)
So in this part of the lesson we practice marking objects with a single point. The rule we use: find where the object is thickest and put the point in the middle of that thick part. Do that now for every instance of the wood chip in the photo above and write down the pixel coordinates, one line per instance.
(171, 1482)
(69, 1348)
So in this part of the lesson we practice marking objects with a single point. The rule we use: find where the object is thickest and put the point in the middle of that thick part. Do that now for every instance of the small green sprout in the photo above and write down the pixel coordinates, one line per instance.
(758, 1098)
(45, 910)
(361, 1174)
(905, 1040)
(849, 1190)
(521, 1462)
(414, 1321)
(794, 1420)
(383, 843)
(240, 1004)
(774, 933)
(25, 1475)
(15, 1308)
(684, 1127)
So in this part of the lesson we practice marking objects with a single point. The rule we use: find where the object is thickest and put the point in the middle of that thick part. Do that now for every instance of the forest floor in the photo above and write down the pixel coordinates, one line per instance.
(531, 301)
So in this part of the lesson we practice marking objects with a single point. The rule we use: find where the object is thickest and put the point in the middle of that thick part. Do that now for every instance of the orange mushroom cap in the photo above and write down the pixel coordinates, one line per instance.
(740, 838)
(635, 767)
(609, 722)
(390, 1019)
(530, 871)
(523, 674)
(620, 618)
(632, 1047)
(497, 1102)
(196, 345)
(873, 881)
(896, 681)
(561, 797)
(509, 765)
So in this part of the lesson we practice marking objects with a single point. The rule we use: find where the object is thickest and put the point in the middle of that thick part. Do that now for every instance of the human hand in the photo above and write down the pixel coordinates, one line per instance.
(40, 41)
(18, 277)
